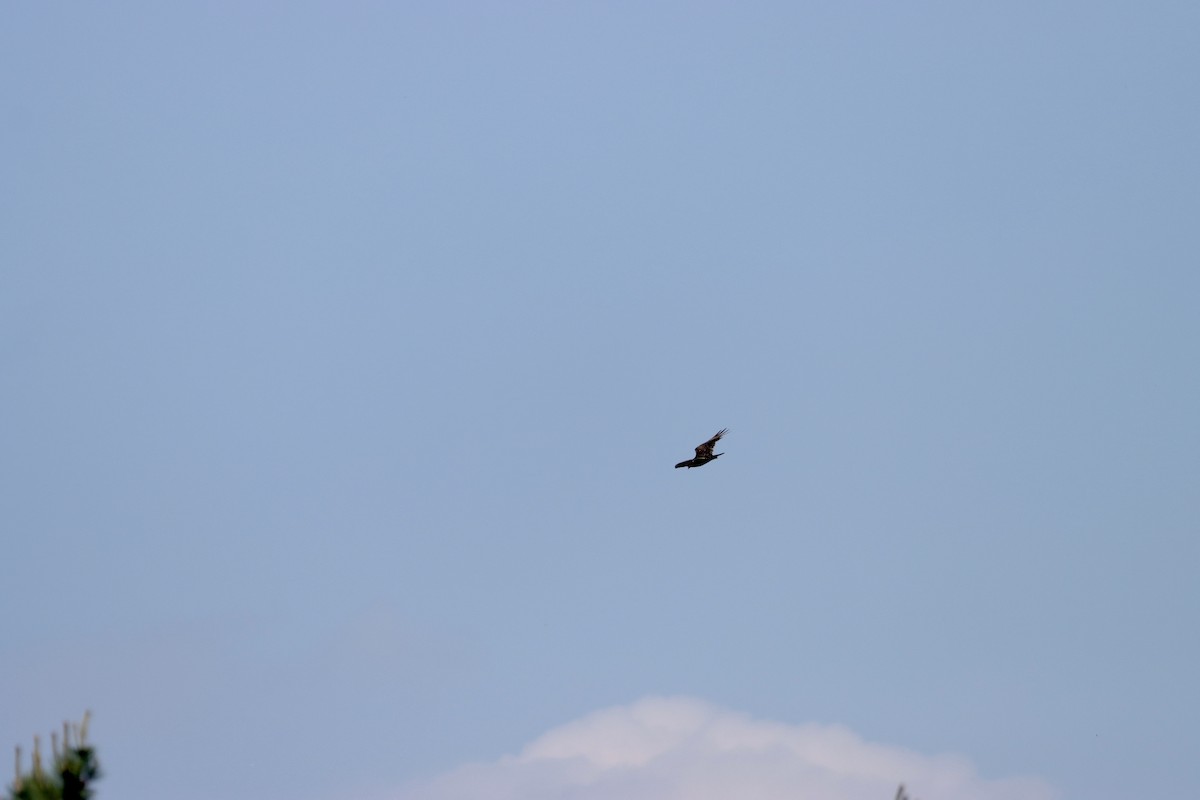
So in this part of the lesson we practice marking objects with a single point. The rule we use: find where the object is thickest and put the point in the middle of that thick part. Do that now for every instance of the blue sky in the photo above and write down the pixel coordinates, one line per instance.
(347, 349)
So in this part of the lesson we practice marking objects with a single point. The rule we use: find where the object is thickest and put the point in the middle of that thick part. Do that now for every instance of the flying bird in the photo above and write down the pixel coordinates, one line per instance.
(704, 452)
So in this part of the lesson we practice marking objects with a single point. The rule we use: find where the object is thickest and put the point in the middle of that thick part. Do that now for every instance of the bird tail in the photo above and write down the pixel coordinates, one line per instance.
(687, 464)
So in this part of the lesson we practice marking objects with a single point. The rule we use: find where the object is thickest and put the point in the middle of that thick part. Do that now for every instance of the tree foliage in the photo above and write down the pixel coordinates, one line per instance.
(71, 774)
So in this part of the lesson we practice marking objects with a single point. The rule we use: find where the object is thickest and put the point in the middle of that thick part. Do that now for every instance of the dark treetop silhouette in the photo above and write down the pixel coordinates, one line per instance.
(704, 452)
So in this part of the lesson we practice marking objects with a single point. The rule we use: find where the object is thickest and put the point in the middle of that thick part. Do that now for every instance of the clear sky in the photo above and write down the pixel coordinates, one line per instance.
(346, 350)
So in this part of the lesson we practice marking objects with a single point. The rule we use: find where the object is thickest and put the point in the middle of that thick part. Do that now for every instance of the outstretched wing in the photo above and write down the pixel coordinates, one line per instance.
(706, 450)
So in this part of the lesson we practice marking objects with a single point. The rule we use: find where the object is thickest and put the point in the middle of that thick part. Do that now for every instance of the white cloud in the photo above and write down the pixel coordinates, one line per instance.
(685, 749)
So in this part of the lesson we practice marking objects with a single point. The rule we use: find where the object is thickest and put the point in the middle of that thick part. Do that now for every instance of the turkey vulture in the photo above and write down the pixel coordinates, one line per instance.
(704, 452)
